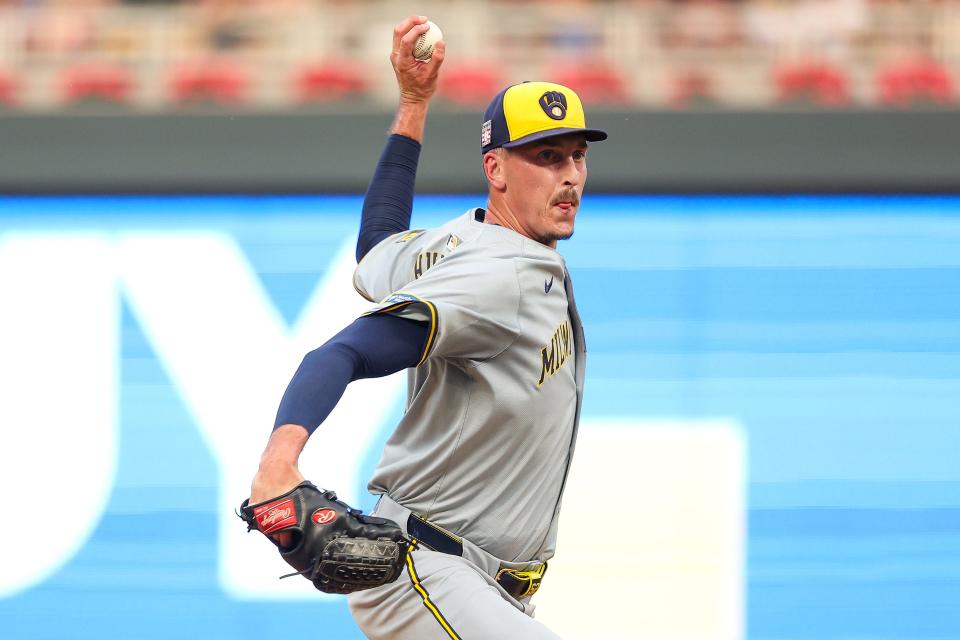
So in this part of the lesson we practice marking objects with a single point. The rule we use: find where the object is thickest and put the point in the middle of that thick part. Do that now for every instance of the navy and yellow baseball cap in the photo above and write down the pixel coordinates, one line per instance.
(530, 111)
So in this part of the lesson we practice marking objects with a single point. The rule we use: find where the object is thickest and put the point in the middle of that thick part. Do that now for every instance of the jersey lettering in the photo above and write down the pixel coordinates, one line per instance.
(424, 261)
(553, 355)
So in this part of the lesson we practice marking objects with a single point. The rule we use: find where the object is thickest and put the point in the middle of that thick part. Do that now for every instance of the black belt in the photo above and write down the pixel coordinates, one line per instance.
(519, 584)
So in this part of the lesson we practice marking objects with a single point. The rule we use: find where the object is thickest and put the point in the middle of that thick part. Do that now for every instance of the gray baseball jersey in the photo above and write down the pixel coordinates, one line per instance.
(487, 439)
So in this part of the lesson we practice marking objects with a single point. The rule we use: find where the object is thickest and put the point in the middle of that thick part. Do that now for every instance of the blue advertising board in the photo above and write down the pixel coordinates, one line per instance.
(139, 364)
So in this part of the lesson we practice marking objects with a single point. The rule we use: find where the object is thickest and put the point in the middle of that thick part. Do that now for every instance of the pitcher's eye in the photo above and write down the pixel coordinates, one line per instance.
(548, 155)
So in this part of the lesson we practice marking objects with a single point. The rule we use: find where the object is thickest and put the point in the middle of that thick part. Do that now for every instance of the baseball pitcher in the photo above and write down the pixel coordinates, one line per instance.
(481, 313)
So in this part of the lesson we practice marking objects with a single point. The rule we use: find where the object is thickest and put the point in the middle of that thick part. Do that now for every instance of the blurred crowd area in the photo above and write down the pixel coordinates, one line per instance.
(151, 55)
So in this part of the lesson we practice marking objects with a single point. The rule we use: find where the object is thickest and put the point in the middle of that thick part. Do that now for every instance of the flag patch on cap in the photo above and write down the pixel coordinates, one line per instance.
(486, 133)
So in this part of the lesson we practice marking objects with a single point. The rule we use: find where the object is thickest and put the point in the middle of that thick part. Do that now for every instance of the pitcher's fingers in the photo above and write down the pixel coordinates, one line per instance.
(436, 59)
(406, 42)
(403, 27)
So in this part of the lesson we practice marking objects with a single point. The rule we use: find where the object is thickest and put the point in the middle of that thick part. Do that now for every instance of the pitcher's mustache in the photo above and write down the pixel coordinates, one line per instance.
(567, 195)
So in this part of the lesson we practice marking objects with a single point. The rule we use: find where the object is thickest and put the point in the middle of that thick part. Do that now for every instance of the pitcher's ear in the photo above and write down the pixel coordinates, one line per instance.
(493, 168)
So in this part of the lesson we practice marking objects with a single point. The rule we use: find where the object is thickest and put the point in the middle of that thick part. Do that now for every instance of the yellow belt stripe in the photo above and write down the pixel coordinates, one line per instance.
(415, 579)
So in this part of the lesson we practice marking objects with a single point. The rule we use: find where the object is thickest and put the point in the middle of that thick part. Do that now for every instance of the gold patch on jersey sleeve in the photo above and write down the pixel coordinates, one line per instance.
(409, 235)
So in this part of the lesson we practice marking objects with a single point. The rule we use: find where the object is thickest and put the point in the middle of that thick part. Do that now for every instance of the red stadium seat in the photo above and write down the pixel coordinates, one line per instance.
(8, 89)
(329, 81)
(920, 80)
(469, 84)
(596, 81)
(221, 82)
(96, 82)
(811, 82)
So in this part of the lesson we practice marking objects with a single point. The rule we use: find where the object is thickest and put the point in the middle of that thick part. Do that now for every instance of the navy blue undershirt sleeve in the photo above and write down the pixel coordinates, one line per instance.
(372, 347)
(389, 201)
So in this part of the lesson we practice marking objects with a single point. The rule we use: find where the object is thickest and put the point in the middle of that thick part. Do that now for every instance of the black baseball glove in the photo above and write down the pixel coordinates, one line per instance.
(337, 548)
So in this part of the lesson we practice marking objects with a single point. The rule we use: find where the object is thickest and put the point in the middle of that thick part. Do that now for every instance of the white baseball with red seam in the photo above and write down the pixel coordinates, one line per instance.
(423, 47)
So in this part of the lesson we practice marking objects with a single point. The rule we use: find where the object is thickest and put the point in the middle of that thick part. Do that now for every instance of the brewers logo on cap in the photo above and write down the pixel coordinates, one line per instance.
(554, 104)
(531, 111)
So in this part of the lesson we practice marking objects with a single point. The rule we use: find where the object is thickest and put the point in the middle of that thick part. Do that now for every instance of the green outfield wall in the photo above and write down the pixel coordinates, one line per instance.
(844, 151)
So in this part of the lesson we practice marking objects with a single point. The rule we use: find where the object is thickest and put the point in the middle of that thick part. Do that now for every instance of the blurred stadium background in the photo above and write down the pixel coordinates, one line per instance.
(767, 262)
(289, 54)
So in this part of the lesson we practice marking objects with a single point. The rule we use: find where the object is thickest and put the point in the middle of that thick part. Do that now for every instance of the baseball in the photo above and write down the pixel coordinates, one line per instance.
(423, 47)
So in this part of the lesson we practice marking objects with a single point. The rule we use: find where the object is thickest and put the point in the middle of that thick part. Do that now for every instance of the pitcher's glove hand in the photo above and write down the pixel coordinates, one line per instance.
(337, 548)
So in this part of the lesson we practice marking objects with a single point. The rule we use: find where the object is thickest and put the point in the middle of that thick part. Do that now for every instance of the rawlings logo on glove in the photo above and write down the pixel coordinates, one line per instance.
(275, 516)
(337, 548)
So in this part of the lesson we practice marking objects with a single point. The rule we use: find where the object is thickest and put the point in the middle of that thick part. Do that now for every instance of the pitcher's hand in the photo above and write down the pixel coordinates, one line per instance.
(417, 80)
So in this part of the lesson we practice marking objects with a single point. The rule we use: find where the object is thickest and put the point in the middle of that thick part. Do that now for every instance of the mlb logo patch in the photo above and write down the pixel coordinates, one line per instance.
(486, 133)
